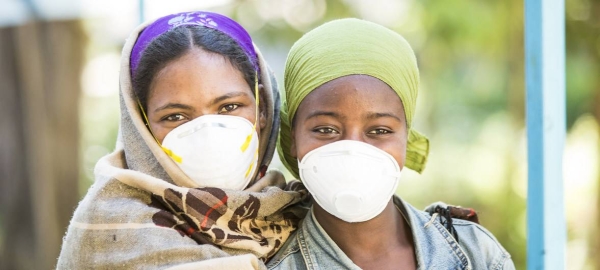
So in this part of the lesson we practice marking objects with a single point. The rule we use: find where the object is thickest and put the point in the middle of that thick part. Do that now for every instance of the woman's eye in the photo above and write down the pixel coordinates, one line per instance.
(228, 108)
(379, 131)
(325, 130)
(175, 117)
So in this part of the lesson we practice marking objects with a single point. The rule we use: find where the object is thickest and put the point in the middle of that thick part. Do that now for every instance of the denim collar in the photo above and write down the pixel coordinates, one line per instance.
(435, 247)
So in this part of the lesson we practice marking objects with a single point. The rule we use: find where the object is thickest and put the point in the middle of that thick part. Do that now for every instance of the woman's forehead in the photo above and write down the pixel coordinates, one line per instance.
(353, 94)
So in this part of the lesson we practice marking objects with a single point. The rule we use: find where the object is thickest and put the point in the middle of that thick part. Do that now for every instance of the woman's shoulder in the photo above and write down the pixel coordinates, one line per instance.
(481, 248)
(473, 231)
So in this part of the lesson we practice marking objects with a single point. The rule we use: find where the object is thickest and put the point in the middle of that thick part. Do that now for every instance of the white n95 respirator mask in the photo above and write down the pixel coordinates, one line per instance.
(215, 150)
(351, 180)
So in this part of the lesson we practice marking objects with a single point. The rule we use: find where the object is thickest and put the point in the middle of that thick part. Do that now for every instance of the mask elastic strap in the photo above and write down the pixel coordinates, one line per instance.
(170, 153)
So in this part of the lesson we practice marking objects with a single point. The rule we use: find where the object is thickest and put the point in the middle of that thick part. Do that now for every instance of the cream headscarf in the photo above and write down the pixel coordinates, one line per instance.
(351, 47)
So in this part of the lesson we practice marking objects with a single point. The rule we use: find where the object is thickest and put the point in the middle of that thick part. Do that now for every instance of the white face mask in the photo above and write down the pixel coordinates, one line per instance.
(215, 150)
(351, 180)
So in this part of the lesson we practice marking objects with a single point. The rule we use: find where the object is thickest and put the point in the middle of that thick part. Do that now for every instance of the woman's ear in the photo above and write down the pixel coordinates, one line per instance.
(262, 107)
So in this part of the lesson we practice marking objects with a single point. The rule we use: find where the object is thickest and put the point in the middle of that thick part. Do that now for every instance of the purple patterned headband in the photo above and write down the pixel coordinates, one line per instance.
(202, 18)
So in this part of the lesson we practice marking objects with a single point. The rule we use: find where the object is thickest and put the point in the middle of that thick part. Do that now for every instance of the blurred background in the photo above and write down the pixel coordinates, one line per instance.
(59, 110)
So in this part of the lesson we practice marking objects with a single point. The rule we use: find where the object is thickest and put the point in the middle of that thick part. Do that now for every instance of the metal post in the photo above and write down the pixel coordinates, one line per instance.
(546, 128)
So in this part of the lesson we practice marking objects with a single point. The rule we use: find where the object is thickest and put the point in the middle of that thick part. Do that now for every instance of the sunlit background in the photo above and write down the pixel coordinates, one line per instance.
(471, 104)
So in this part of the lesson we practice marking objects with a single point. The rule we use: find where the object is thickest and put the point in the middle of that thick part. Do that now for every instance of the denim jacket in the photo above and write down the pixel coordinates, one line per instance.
(311, 248)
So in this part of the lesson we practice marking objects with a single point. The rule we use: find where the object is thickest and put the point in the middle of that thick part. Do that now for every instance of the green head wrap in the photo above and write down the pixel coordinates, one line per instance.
(351, 47)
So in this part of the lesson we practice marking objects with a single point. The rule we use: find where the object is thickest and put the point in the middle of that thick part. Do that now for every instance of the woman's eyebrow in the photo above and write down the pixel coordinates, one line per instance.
(324, 113)
(375, 115)
(228, 96)
(174, 106)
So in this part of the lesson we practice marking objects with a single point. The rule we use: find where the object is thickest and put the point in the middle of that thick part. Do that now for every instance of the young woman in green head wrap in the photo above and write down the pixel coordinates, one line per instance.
(351, 88)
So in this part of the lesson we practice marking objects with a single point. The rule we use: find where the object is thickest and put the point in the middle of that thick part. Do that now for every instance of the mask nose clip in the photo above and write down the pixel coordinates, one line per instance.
(348, 202)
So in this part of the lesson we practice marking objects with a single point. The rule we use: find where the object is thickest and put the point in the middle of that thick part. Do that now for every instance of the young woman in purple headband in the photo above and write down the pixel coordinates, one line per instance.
(187, 185)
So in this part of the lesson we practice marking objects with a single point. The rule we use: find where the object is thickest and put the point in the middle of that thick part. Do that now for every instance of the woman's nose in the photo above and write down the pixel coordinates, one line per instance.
(353, 135)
